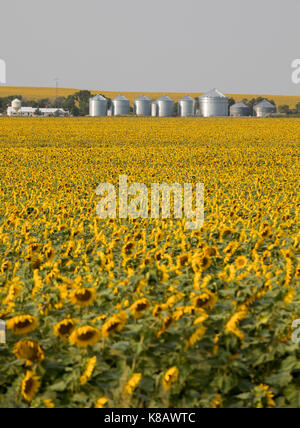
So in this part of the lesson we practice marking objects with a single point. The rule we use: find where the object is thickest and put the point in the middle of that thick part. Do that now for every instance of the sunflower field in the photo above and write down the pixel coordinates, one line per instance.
(143, 312)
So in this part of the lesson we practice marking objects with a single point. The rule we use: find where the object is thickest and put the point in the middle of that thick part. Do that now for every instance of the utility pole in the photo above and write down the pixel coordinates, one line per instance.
(56, 86)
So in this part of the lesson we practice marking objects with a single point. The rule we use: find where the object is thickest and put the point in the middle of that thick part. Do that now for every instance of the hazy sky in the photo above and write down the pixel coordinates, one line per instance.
(239, 46)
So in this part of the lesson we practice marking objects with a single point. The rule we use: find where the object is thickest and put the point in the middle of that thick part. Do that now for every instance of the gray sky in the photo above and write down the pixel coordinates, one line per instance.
(239, 46)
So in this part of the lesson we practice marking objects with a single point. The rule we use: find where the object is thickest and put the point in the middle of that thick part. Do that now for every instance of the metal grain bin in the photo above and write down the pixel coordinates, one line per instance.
(154, 109)
(16, 105)
(120, 106)
(165, 106)
(142, 106)
(98, 106)
(239, 110)
(213, 104)
(264, 109)
(186, 106)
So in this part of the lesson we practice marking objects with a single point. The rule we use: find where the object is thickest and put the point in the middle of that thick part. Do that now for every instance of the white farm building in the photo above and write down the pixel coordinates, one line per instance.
(16, 109)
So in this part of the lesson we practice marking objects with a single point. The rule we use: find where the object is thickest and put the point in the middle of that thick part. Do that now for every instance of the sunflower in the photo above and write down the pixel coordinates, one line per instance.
(64, 328)
(265, 397)
(83, 297)
(297, 273)
(266, 232)
(5, 266)
(216, 402)
(170, 377)
(101, 403)
(49, 404)
(49, 252)
(158, 309)
(84, 336)
(241, 262)
(232, 324)
(201, 262)
(197, 335)
(22, 324)
(29, 350)
(30, 386)
(183, 310)
(182, 260)
(167, 322)
(132, 384)
(139, 307)
(114, 324)
(128, 248)
(206, 300)
(172, 300)
(89, 370)
(211, 252)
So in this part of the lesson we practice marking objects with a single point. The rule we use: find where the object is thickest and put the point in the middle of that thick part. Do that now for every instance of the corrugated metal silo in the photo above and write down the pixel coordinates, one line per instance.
(16, 105)
(264, 109)
(142, 106)
(213, 104)
(120, 106)
(98, 106)
(154, 109)
(165, 106)
(186, 106)
(239, 110)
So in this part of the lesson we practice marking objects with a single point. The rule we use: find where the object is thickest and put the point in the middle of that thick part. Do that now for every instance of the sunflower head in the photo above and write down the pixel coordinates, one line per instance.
(83, 297)
(84, 336)
(241, 262)
(101, 403)
(264, 397)
(170, 377)
(114, 324)
(64, 328)
(30, 386)
(206, 300)
(211, 252)
(29, 350)
(201, 262)
(139, 307)
(183, 260)
(132, 384)
(22, 324)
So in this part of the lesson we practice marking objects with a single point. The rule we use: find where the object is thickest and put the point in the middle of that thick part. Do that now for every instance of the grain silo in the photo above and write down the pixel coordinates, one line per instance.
(213, 104)
(16, 105)
(165, 106)
(154, 109)
(98, 106)
(264, 109)
(142, 106)
(186, 106)
(239, 110)
(120, 106)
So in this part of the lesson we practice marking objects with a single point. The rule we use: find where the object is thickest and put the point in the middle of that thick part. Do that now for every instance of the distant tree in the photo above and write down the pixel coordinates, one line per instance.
(38, 112)
(297, 108)
(33, 103)
(45, 103)
(58, 102)
(231, 102)
(69, 103)
(75, 111)
(285, 109)
(82, 99)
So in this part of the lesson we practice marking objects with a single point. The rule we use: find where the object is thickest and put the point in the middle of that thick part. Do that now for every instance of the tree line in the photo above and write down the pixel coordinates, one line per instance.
(77, 104)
